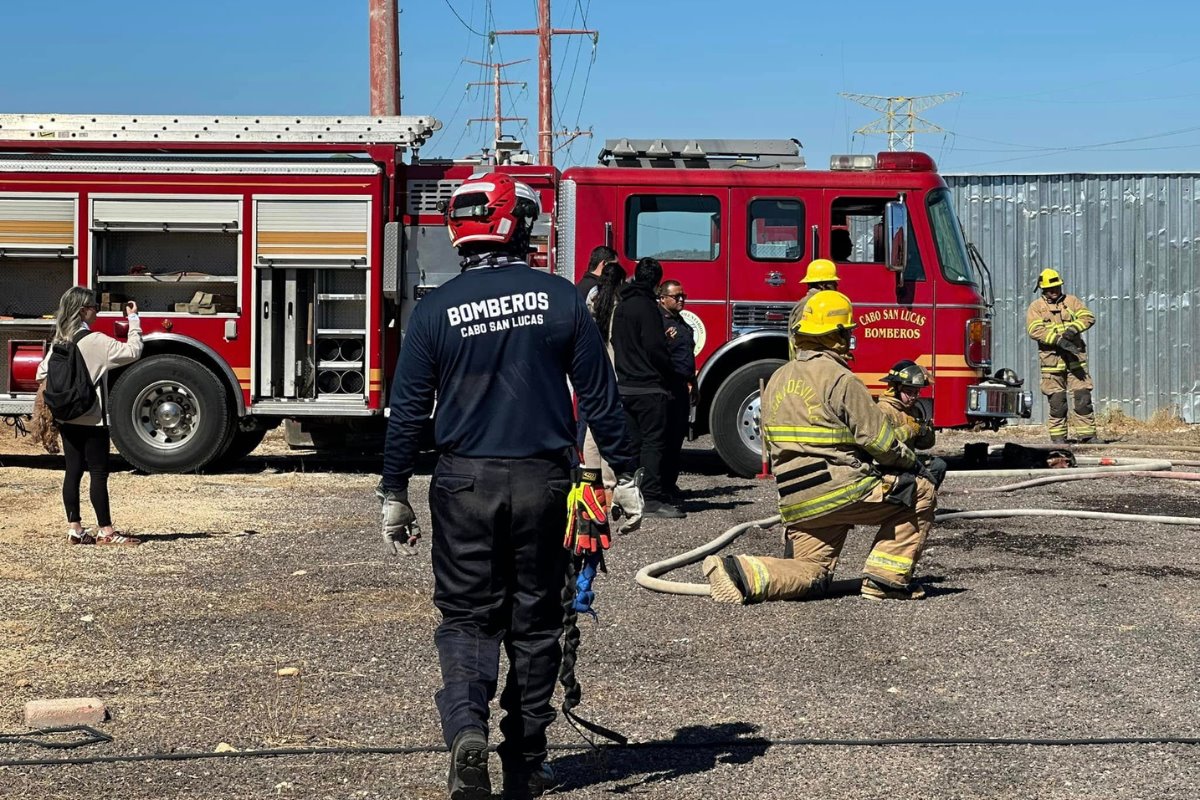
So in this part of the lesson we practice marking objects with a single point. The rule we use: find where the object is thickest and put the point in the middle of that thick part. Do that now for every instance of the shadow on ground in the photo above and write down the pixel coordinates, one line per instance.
(634, 769)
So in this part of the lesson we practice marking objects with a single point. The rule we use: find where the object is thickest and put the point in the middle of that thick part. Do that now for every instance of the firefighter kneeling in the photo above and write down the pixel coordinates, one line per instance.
(899, 404)
(837, 463)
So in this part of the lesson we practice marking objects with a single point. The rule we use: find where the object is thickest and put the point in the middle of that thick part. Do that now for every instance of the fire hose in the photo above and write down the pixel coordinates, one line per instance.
(649, 576)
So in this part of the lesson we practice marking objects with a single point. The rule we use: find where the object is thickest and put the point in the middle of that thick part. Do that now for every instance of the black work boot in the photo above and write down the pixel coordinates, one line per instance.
(526, 785)
(469, 779)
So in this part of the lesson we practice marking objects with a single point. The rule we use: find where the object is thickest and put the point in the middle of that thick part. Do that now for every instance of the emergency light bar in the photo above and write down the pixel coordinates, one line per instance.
(848, 162)
(890, 162)
(905, 162)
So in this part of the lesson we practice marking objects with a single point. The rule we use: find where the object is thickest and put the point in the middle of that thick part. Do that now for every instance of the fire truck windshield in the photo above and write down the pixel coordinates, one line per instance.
(947, 235)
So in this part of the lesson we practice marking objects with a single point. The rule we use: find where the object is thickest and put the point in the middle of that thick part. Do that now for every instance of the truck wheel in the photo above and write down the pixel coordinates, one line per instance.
(170, 414)
(734, 419)
(241, 444)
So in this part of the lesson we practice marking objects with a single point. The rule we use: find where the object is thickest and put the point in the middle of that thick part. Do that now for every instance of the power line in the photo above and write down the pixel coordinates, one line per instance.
(463, 21)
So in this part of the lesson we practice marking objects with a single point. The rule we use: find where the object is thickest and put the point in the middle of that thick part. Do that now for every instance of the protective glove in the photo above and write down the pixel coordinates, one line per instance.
(399, 522)
(627, 500)
(587, 515)
(922, 471)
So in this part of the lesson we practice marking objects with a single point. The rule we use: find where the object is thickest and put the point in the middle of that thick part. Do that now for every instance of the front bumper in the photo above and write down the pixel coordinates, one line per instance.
(995, 400)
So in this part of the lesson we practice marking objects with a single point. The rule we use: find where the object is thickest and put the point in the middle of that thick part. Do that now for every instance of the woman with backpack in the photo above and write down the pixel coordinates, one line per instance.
(85, 436)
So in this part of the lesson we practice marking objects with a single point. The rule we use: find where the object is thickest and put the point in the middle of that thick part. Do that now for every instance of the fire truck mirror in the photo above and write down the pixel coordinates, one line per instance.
(895, 247)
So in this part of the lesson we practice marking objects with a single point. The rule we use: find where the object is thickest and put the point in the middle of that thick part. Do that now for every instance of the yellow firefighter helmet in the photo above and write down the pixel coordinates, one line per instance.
(1049, 278)
(820, 270)
(826, 312)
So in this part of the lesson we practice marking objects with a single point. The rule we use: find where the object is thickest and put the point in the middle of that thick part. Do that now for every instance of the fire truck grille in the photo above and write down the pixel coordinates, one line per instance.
(423, 196)
(761, 315)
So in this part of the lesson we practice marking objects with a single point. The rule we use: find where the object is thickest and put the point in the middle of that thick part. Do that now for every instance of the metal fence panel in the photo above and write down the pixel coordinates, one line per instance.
(1127, 246)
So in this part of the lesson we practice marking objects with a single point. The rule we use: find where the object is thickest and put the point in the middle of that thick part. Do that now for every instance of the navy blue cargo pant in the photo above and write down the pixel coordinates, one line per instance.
(499, 567)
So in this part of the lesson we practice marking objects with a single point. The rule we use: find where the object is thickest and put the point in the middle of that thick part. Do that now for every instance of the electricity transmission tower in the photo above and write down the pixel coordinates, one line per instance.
(900, 120)
(498, 118)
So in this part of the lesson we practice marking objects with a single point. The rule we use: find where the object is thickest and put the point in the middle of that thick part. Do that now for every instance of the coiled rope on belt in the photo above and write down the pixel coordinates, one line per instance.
(572, 691)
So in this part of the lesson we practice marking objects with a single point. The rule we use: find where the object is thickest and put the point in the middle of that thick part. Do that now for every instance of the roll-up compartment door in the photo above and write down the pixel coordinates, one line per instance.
(321, 230)
(37, 225)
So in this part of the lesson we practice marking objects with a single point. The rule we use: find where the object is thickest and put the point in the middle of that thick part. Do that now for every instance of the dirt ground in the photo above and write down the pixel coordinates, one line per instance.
(1035, 628)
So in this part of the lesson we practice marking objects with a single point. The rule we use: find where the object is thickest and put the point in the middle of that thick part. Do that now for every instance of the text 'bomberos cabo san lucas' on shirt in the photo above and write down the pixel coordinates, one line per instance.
(495, 346)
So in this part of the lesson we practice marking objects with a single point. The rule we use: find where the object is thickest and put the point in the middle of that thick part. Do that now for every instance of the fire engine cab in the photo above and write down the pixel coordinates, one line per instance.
(275, 261)
(738, 221)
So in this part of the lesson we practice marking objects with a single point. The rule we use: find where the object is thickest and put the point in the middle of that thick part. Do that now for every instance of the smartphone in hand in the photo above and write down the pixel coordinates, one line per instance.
(130, 308)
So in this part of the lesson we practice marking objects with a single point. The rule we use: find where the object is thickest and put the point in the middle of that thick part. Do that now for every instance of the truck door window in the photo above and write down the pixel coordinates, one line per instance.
(776, 230)
(856, 235)
(948, 238)
(673, 227)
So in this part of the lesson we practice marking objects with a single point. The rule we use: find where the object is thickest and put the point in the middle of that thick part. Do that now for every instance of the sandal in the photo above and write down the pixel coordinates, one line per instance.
(116, 537)
(79, 537)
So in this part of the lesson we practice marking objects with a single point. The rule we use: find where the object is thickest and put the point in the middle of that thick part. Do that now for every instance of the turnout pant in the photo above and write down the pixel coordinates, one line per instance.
(646, 416)
(1076, 385)
(85, 448)
(812, 547)
(499, 567)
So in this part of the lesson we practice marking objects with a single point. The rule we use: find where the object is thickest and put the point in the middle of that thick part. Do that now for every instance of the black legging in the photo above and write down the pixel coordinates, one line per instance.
(86, 448)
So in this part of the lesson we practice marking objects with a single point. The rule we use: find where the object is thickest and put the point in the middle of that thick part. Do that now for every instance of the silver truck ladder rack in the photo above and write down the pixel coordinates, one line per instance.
(775, 154)
(96, 128)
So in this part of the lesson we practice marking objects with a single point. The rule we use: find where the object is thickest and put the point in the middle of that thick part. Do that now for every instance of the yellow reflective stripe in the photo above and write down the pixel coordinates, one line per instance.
(829, 501)
(897, 564)
(809, 434)
(884, 440)
(760, 579)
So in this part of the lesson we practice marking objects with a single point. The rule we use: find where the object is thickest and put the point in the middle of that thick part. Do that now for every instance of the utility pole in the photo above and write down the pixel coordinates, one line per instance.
(545, 34)
(385, 57)
(498, 118)
(897, 108)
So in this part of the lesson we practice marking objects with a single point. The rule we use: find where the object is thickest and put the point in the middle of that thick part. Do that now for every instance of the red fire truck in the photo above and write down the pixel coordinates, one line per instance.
(737, 222)
(275, 261)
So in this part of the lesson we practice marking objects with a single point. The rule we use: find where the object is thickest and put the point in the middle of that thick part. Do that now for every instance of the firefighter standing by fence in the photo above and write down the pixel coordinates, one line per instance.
(496, 346)
(899, 404)
(837, 463)
(820, 276)
(1056, 321)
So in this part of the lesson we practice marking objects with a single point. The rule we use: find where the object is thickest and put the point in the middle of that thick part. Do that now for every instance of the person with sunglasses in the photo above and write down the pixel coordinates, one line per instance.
(681, 343)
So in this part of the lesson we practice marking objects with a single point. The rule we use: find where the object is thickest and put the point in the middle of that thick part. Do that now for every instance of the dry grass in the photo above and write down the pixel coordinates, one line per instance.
(1113, 420)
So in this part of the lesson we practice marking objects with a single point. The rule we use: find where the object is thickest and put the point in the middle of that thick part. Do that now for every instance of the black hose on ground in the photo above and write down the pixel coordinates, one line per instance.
(664, 744)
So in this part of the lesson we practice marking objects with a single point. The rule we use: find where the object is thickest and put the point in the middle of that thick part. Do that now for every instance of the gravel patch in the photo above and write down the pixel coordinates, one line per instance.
(1034, 628)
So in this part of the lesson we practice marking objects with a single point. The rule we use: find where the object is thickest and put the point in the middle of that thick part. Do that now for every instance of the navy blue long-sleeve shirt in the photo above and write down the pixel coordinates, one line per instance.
(681, 346)
(495, 347)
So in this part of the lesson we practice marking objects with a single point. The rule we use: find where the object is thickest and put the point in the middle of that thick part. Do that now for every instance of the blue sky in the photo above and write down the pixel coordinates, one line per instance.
(1048, 86)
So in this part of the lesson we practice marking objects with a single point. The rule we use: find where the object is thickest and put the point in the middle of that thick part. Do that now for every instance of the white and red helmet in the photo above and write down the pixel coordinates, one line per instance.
(490, 208)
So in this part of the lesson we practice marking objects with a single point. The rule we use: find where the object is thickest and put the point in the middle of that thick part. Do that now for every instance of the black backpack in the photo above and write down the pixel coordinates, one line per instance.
(69, 391)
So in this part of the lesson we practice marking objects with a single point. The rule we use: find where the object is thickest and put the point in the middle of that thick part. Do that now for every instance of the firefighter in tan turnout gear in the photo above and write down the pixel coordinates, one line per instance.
(1056, 321)
(820, 276)
(838, 463)
(899, 404)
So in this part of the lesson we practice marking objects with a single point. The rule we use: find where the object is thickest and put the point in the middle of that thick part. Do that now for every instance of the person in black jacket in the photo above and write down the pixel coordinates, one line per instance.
(495, 346)
(681, 343)
(600, 258)
(644, 376)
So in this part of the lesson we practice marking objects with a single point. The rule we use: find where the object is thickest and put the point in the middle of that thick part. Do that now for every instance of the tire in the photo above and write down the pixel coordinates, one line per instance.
(733, 419)
(241, 444)
(170, 414)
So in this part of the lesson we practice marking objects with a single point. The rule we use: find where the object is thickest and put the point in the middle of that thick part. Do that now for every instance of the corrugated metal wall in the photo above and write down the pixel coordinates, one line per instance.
(1127, 246)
